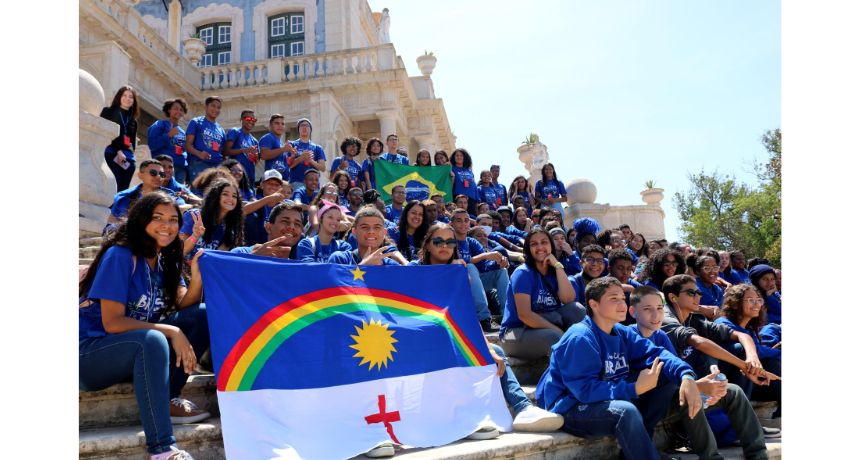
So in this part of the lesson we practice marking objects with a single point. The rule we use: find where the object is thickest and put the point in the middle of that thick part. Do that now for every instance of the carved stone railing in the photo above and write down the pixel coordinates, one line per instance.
(298, 68)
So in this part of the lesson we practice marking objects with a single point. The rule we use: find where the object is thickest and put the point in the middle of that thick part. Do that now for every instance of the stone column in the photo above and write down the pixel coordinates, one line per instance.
(387, 124)
(174, 24)
(424, 142)
(96, 185)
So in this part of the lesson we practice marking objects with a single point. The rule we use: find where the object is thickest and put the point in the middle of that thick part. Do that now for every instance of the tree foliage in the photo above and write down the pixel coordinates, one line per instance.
(720, 212)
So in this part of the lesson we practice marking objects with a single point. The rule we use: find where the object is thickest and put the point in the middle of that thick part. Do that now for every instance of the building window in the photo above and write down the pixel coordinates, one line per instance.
(217, 45)
(283, 41)
(297, 48)
(206, 35)
(278, 27)
(277, 50)
(297, 24)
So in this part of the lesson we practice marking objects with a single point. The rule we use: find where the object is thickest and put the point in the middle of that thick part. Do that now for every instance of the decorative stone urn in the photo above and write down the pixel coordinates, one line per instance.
(581, 191)
(90, 93)
(652, 196)
(534, 156)
(426, 63)
(194, 49)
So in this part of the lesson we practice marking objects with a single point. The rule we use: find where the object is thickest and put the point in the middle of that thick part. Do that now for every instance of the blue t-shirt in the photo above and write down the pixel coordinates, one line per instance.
(297, 172)
(352, 258)
(412, 252)
(542, 290)
(578, 283)
(393, 214)
(762, 350)
(712, 296)
(526, 202)
(487, 265)
(279, 163)
(553, 187)
(352, 168)
(242, 140)
(464, 183)
(774, 307)
(209, 137)
(301, 195)
(737, 276)
(124, 199)
(175, 187)
(188, 229)
(312, 250)
(658, 338)
(489, 194)
(140, 289)
(394, 158)
(572, 266)
(160, 143)
(502, 192)
(468, 248)
(367, 167)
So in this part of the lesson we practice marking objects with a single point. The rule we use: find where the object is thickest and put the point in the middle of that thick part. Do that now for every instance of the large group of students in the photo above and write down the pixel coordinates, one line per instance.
(635, 331)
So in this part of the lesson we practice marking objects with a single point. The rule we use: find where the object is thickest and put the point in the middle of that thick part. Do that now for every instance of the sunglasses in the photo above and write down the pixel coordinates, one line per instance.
(439, 242)
(251, 119)
(155, 172)
(693, 292)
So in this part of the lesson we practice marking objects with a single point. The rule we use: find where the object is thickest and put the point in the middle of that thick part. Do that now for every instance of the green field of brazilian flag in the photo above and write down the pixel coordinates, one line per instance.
(420, 182)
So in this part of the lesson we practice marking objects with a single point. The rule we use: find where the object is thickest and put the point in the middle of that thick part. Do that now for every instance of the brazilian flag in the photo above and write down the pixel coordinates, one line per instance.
(420, 182)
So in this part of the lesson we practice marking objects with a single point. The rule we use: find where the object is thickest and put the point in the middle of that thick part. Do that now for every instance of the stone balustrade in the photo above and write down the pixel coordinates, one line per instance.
(298, 68)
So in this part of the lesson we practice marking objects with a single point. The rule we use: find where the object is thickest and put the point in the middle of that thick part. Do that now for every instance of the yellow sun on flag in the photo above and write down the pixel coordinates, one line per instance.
(374, 343)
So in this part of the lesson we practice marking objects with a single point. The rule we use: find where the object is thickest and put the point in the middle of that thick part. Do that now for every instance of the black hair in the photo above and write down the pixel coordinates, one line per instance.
(168, 104)
(132, 234)
(418, 158)
(351, 140)
(755, 261)
(245, 112)
(593, 248)
(373, 141)
(286, 205)
(424, 255)
(135, 106)
(643, 251)
(163, 157)
(527, 252)
(403, 226)
(211, 99)
(654, 269)
(543, 173)
(441, 152)
(619, 254)
(701, 260)
(467, 159)
(148, 162)
(673, 285)
(245, 183)
(210, 212)
(640, 292)
(596, 288)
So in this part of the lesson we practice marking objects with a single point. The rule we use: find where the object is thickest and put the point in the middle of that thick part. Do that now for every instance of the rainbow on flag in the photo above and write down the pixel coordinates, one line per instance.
(327, 361)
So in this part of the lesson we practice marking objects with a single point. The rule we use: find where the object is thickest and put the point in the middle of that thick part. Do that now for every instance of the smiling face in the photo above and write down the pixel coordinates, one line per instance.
(289, 224)
(458, 159)
(312, 181)
(460, 223)
(369, 232)
(539, 247)
(229, 199)
(175, 112)
(688, 299)
(481, 236)
(708, 272)
(330, 221)
(669, 266)
(343, 183)
(486, 178)
(753, 303)
(398, 195)
(739, 262)
(168, 171)
(593, 264)
(440, 159)
(213, 109)
(329, 192)
(164, 225)
(351, 150)
(611, 308)
(150, 181)
(423, 158)
(248, 120)
(126, 100)
(415, 217)
(649, 313)
(637, 242)
(271, 186)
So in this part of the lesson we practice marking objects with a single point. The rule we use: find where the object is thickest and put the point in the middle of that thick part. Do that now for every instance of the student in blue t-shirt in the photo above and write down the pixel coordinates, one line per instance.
(166, 137)
(663, 264)
(343, 183)
(540, 303)
(242, 145)
(218, 224)
(620, 268)
(368, 175)
(283, 228)
(411, 228)
(744, 311)
(549, 191)
(648, 311)
(151, 174)
(124, 110)
(487, 191)
(739, 273)
(501, 191)
(763, 277)
(306, 192)
(137, 320)
(346, 162)
(372, 246)
(422, 158)
(318, 248)
(170, 183)
(520, 187)
(392, 155)
(564, 253)
(246, 188)
(205, 139)
(593, 263)
(606, 380)
(272, 150)
(395, 209)
(706, 268)
(257, 212)
(464, 179)
(308, 154)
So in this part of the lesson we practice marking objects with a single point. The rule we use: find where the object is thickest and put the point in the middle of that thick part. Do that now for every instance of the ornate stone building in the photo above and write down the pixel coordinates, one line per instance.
(328, 60)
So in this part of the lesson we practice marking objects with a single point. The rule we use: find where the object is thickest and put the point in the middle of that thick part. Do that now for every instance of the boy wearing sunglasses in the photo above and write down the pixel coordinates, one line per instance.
(240, 143)
(151, 175)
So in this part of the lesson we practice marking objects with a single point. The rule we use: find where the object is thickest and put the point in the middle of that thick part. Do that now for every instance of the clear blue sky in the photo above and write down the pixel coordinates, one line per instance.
(619, 91)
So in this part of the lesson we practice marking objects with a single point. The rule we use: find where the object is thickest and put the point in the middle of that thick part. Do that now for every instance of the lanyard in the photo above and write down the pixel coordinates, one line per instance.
(124, 121)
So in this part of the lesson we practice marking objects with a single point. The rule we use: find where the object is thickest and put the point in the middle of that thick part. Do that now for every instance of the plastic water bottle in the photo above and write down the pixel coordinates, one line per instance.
(719, 378)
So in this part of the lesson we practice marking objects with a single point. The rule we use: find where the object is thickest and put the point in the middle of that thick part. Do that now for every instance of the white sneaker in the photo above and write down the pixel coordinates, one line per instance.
(534, 418)
(487, 432)
(771, 432)
(384, 449)
(173, 454)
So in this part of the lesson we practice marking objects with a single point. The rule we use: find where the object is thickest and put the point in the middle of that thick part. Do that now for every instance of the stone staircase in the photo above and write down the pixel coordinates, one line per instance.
(88, 246)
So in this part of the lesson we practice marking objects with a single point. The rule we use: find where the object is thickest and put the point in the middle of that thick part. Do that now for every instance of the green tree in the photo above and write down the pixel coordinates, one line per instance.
(720, 212)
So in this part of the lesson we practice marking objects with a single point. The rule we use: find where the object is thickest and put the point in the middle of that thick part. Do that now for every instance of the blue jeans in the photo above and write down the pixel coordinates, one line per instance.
(195, 167)
(180, 170)
(122, 176)
(511, 389)
(498, 280)
(631, 423)
(145, 356)
(482, 307)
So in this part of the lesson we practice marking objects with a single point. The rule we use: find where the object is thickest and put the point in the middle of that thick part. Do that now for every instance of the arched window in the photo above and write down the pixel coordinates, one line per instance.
(218, 43)
(286, 35)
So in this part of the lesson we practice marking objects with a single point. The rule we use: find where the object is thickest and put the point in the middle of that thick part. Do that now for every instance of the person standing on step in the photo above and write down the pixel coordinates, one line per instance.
(243, 146)
(205, 139)
(138, 320)
(350, 147)
(151, 174)
(308, 155)
(273, 150)
(166, 137)
(392, 155)
(124, 110)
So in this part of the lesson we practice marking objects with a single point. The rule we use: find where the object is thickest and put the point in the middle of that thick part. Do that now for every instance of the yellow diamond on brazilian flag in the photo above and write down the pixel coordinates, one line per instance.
(420, 182)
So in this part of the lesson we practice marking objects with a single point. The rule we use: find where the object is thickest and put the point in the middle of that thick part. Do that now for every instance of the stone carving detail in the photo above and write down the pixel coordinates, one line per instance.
(384, 26)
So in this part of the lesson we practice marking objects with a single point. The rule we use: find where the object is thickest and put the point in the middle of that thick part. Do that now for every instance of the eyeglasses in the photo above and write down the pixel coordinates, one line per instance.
(439, 242)
(693, 292)
(251, 119)
(711, 269)
(673, 263)
(592, 260)
(155, 172)
(754, 301)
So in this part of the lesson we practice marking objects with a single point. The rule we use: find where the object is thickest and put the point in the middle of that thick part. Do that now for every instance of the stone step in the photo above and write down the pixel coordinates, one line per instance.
(85, 261)
(204, 442)
(88, 252)
(116, 406)
(90, 241)
(527, 372)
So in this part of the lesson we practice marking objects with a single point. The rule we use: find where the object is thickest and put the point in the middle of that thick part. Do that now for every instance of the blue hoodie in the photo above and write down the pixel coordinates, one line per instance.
(762, 350)
(588, 366)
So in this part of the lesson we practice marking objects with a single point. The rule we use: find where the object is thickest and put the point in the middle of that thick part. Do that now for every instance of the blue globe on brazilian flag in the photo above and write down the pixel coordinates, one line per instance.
(421, 182)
